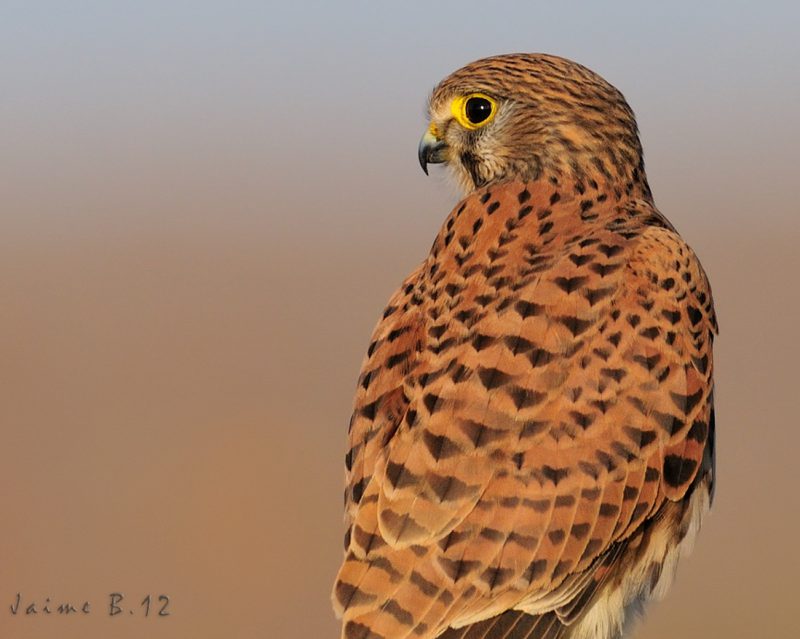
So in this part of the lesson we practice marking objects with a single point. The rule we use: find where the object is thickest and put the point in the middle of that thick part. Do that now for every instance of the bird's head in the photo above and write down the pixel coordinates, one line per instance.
(521, 116)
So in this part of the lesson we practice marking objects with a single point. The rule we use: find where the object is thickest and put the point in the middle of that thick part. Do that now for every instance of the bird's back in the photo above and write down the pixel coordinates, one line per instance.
(532, 438)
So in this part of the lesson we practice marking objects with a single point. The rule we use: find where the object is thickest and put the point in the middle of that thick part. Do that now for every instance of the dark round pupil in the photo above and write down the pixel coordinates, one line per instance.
(478, 109)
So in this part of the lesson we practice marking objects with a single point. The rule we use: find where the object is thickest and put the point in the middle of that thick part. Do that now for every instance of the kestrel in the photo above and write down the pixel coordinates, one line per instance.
(532, 445)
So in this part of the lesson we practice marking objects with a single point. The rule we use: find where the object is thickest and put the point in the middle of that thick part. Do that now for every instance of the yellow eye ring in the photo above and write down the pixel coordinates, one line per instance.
(474, 110)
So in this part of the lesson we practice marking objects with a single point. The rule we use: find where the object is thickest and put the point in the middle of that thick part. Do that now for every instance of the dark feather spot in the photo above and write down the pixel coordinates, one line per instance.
(358, 490)
(639, 510)
(561, 568)
(583, 420)
(366, 379)
(440, 446)
(397, 358)
(648, 363)
(617, 374)
(525, 541)
(580, 260)
(608, 510)
(604, 270)
(496, 577)
(395, 610)
(686, 403)
(397, 333)
(480, 434)
(570, 284)
(428, 588)
(517, 344)
(556, 536)
(579, 531)
(533, 427)
(460, 373)
(431, 402)
(456, 569)
(528, 309)
(481, 341)
(555, 475)
(370, 410)
(492, 378)
(575, 325)
(651, 474)
(564, 501)
(694, 315)
(348, 594)
(537, 505)
(437, 331)
(669, 422)
(545, 227)
(537, 568)
(701, 364)
(678, 470)
(606, 460)
(597, 294)
(525, 397)
(589, 469)
(398, 476)
(640, 438)
(590, 494)
(449, 488)
(698, 432)
(650, 333)
(622, 451)
(609, 250)
(673, 317)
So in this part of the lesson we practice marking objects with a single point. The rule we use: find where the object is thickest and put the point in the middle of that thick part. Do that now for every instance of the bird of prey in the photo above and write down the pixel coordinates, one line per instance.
(532, 444)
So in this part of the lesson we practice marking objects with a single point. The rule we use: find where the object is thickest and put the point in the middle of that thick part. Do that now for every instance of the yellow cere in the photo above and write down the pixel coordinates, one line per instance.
(434, 131)
(458, 107)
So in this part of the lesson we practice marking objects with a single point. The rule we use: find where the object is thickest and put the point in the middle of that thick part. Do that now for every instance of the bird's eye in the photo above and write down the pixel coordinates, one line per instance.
(477, 110)
(474, 111)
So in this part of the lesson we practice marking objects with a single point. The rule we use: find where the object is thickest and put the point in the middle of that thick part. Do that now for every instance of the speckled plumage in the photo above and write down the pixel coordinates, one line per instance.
(532, 440)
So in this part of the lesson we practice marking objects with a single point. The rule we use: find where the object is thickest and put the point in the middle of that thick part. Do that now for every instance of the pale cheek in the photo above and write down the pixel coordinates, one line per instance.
(492, 164)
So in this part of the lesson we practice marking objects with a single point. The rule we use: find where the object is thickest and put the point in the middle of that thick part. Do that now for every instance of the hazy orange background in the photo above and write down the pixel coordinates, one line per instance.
(204, 209)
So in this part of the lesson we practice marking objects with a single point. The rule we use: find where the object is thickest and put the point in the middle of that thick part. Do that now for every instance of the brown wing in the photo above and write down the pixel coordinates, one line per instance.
(533, 394)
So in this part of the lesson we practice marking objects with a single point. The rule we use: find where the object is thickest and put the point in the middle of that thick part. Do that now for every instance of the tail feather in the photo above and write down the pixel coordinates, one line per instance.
(513, 624)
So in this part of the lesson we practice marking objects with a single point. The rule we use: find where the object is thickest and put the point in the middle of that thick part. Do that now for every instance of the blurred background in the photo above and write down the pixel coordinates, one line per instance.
(205, 206)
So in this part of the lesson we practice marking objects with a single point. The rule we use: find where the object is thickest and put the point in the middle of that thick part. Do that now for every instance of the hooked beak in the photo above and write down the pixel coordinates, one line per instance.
(432, 149)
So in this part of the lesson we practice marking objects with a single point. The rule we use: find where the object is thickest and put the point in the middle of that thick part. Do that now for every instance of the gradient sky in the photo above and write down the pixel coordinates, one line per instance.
(205, 207)
(248, 97)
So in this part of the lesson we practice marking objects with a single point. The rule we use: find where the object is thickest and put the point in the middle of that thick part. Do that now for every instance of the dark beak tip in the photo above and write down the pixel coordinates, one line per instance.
(422, 156)
(430, 153)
